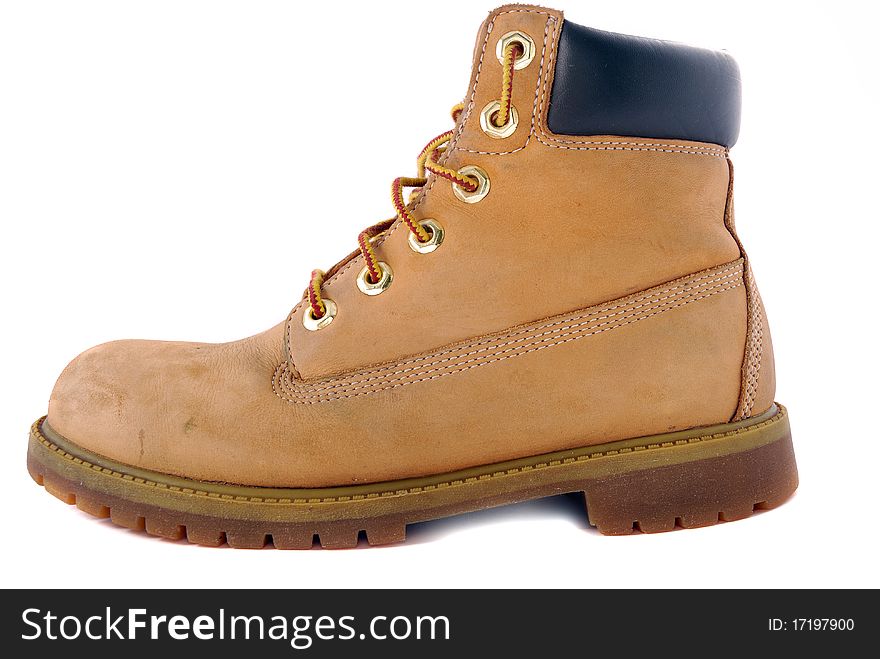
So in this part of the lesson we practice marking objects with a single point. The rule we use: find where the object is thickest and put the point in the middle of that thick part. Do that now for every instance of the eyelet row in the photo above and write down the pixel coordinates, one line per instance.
(433, 228)
(436, 233)
(368, 287)
(435, 239)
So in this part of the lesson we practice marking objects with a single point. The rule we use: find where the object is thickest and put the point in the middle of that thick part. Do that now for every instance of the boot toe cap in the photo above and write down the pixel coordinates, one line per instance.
(124, 400)
(90, 398)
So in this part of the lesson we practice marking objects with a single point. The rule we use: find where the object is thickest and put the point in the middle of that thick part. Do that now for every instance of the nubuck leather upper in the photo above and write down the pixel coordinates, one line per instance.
(560, 304)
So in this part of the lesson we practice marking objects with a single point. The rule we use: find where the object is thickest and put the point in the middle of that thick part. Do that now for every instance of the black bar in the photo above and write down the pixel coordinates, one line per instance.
(504, 623)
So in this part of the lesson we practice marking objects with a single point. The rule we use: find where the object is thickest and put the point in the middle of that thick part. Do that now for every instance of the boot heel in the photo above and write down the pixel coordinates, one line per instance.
(720, 488)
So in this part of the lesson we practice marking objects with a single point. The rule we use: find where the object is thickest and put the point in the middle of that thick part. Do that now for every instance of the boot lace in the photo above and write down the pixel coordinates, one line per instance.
(427, 162)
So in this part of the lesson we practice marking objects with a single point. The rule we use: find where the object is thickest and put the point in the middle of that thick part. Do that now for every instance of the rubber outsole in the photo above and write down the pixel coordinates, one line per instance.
(685, 479)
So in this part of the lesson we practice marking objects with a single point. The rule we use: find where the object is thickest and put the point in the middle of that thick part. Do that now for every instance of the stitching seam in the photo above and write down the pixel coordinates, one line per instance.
(556, 142)
(310, 393)
(530, 334)
(644, 299)
(754, 349)
(508, 353)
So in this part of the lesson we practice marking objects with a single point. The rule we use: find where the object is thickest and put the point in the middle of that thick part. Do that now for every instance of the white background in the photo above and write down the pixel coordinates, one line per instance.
(175, 169)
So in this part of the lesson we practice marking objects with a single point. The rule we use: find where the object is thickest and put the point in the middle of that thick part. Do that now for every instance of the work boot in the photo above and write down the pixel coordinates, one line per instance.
(560, 304)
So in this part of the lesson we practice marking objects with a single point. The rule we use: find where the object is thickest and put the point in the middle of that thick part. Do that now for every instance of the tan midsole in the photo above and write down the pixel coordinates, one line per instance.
(99, 474)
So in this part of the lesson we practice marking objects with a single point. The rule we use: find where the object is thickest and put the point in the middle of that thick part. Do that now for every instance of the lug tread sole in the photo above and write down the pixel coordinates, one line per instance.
(727, 485)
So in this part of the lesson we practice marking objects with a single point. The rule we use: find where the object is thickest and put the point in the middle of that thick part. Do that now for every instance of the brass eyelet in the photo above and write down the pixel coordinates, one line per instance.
(487, 122)
(368, 287)
(482, 185)
(314, 324)
(525, 42)
(434, 230)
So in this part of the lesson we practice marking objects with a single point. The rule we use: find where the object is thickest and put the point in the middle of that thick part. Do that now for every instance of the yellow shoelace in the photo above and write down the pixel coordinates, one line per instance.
(428, 161)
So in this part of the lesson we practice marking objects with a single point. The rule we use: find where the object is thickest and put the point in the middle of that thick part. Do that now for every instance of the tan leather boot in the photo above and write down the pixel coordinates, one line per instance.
(562, 306)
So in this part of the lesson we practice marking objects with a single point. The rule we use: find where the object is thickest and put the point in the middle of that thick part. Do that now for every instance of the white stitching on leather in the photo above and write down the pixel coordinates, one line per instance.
(652, 302)
(549, 139)
(754, 346)
(306, 400)
(529, 334)
(713, 149)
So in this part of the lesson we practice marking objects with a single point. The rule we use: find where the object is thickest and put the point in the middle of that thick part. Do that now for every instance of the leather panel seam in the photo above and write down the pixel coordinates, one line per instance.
(512, 343)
